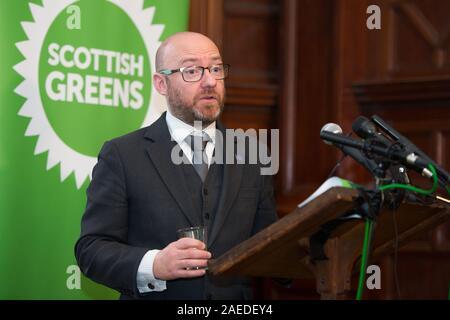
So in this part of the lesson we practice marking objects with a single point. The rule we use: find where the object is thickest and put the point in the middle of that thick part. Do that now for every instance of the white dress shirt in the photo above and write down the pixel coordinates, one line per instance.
(179, 130)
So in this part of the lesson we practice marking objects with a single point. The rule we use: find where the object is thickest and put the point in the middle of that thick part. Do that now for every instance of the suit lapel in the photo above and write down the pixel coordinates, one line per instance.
(159, 147)
(232, 176)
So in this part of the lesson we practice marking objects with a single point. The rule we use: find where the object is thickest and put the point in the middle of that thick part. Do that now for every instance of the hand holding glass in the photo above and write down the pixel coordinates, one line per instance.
(199, 233)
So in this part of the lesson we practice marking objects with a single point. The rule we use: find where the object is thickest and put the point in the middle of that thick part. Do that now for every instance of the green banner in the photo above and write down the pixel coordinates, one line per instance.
(73, 74)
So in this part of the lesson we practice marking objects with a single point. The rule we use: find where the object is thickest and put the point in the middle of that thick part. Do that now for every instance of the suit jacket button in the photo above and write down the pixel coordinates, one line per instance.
(209, 296)
(205, 191)
(207, 216)
(150, 286)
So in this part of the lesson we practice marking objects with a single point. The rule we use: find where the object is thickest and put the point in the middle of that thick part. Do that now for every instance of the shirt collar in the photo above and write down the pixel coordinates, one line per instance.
(179, 129)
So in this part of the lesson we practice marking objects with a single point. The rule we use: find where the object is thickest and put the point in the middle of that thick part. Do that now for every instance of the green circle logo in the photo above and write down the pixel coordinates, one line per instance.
(87, 77)
(94, 85)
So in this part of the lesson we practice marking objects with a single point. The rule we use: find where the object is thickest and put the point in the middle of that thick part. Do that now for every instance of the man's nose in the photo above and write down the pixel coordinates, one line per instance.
(208, 80)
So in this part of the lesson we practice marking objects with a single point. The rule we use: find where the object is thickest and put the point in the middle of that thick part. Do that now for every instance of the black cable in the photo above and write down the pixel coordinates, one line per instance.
(338, 163)
(395, 267)
(333, 171)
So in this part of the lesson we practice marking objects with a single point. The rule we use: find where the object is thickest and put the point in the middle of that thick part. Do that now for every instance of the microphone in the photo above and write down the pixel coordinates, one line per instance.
(415, 152)
(333, 128)
(366, 129)
(408, 159)
(335, 131)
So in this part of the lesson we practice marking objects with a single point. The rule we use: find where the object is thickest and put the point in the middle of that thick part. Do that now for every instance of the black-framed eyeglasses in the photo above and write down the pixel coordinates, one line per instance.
(195, 73)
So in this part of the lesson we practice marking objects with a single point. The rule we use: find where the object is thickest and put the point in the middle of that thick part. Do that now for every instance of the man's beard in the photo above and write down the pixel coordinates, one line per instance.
(187, 110)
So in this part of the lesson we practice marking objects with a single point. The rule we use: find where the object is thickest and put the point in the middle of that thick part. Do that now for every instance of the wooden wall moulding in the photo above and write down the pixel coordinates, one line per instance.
(252, 96)
(426, 91)
(418, 37)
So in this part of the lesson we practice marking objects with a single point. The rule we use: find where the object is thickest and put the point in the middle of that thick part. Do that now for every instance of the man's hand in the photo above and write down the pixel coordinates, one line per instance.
(180, 259)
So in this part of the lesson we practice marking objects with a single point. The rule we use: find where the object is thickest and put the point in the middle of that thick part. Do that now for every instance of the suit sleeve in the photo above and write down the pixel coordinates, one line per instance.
(102, 251)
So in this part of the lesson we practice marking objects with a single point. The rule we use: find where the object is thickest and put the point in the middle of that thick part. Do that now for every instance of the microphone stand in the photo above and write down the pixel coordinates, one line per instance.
(370, 202)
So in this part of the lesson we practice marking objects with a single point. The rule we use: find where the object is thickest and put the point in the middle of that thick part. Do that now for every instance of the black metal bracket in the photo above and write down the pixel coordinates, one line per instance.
(367, 205)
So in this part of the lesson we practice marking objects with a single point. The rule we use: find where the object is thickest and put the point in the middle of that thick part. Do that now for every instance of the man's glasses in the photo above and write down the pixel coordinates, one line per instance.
(195, 73)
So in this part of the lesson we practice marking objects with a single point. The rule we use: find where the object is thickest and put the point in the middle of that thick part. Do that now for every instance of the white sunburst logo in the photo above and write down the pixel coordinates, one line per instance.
(96, 90)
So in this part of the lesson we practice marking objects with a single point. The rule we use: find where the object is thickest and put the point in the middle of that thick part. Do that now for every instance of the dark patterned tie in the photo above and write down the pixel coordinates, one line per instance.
(199, 160)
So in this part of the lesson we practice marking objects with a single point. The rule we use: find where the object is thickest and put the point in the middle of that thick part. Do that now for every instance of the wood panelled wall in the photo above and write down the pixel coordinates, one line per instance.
(298, 64)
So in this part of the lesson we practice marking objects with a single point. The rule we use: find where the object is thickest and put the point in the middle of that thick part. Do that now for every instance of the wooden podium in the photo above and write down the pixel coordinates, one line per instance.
(285, 248)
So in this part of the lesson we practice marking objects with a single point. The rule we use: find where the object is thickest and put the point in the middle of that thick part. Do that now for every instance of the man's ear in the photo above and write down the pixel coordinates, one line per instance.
(159, 81)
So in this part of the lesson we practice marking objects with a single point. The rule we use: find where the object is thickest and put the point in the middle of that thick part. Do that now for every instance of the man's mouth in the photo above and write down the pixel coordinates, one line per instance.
(208, 98)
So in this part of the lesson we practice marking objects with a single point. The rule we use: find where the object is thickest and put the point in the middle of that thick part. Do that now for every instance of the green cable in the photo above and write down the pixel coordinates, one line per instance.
(364, 258)
(448, 189)
(415, 189)
(369, 224)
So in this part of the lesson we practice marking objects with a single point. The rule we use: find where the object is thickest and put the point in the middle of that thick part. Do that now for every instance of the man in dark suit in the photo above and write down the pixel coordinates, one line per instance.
(139, 197)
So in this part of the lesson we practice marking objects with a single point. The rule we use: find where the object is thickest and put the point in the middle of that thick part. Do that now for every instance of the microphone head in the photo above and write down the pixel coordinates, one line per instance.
(332, 128)
(364, 128)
